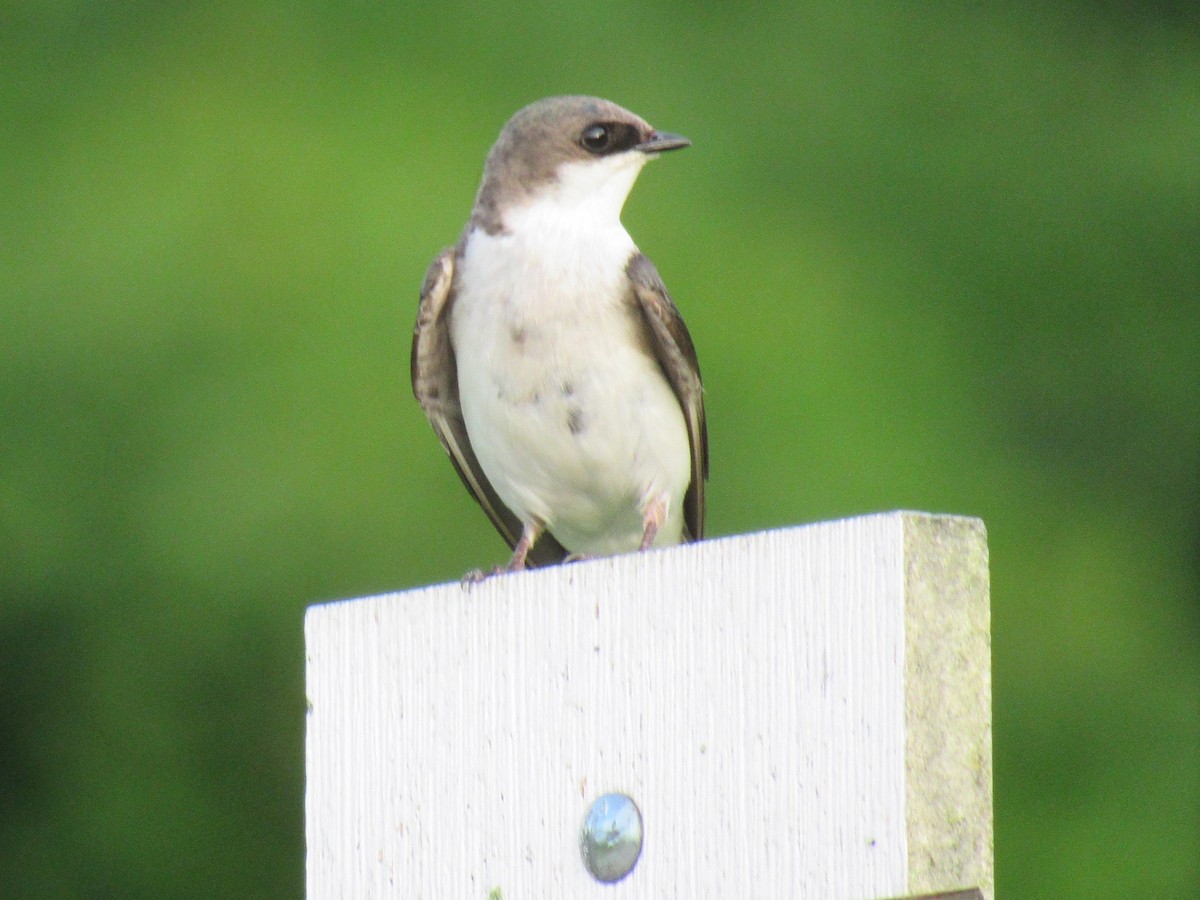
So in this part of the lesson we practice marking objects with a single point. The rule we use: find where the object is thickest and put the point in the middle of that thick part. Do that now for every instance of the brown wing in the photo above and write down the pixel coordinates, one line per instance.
(435, 385)
(673, 348)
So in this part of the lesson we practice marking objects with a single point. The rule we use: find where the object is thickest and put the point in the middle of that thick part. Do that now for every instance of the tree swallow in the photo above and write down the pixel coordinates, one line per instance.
(550, 360)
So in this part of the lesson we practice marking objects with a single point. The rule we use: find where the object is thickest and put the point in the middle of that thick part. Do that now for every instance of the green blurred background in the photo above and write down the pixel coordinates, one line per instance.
(943, 257)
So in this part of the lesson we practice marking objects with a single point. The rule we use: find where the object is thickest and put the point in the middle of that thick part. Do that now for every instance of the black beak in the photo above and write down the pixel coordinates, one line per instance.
(663, 140)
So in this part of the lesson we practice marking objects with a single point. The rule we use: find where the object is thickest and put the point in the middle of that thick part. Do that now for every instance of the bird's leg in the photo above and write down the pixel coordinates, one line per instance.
(654, 514)
(529, 535)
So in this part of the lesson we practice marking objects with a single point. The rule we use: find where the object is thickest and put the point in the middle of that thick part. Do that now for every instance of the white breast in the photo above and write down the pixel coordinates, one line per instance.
(572, 420)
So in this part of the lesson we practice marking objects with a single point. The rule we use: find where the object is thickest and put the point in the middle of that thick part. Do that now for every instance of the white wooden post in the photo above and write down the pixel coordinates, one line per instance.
(797, 713)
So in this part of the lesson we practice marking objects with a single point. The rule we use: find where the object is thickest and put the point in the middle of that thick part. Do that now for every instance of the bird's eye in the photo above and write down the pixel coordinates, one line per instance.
(596, 138)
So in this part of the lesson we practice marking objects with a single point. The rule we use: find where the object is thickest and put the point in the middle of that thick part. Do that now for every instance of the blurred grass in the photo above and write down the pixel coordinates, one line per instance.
(943, 258)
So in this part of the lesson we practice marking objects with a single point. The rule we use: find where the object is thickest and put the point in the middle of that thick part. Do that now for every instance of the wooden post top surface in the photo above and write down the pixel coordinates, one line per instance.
(804, 712)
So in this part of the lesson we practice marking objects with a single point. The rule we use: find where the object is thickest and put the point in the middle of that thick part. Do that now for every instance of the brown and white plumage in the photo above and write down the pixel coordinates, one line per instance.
(548, 355)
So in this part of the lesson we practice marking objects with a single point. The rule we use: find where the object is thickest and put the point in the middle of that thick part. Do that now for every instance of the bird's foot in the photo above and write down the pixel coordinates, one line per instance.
(474, 576)
(517, 564)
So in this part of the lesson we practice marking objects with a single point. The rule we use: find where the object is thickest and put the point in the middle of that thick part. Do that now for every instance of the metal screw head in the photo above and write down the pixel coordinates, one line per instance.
(611, 837)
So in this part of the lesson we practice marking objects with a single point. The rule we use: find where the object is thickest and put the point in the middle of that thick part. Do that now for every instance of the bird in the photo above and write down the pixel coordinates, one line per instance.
(548, 356)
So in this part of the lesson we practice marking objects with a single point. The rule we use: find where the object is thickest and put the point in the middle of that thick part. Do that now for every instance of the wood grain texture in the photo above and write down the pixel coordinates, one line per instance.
(750, 693)
(948, 652)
